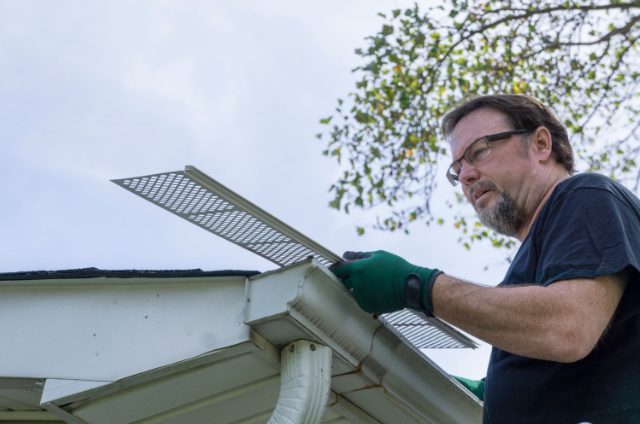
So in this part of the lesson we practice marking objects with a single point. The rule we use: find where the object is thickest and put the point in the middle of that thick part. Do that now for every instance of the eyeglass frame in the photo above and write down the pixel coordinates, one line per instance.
(454, 180)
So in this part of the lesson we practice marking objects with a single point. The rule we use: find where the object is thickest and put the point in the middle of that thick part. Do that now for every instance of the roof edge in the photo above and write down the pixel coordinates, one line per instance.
(81, 273)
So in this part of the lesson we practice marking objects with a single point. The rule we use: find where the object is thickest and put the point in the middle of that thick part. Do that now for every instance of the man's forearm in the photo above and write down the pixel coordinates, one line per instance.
(561, 322)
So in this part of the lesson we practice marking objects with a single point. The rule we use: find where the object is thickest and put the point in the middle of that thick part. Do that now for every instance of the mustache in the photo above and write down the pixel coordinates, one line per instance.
(481, 186)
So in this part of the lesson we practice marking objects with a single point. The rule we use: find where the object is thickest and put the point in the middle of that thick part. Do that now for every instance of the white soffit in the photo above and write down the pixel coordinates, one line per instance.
(196, 197)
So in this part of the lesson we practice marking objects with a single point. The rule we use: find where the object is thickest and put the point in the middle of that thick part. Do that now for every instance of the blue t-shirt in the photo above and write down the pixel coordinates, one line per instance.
(590, 226)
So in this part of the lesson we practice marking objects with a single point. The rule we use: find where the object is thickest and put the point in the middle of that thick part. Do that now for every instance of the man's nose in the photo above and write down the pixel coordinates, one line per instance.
(468, 173)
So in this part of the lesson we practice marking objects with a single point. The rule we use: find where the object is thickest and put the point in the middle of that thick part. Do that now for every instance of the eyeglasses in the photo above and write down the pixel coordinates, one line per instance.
(477, 151)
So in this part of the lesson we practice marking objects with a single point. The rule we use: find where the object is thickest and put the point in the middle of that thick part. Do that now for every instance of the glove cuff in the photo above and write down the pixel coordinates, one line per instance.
(417, 290)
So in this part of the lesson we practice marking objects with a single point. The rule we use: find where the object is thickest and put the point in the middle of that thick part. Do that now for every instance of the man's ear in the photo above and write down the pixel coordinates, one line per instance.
(541, 143)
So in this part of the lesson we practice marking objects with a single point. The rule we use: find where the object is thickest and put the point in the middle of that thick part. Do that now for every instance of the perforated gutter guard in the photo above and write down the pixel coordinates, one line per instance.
(196, 197)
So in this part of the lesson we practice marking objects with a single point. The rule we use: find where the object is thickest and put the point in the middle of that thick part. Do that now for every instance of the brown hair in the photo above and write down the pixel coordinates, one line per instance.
(522, 112)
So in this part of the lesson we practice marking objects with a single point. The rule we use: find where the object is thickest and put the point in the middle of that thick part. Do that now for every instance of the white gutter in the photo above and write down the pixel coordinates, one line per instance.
(305, 382)
(305, 301)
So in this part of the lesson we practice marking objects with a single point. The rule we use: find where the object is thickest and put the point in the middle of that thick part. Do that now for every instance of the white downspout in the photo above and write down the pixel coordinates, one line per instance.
(305, 382)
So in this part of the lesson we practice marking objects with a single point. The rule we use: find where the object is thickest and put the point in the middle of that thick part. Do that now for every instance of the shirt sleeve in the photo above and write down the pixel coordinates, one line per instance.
(588, 232)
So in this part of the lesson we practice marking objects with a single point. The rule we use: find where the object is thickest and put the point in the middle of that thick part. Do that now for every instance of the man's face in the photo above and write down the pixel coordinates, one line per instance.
(495, 186)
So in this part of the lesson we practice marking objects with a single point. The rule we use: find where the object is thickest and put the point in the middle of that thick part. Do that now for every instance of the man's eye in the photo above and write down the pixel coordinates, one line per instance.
(476, 154)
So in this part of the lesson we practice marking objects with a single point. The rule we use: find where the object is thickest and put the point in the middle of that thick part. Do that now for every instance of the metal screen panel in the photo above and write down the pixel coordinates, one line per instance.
(199, 199)
(425, 332)
(194, 196)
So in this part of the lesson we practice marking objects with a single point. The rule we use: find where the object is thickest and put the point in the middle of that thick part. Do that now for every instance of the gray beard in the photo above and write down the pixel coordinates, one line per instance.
(506, 217)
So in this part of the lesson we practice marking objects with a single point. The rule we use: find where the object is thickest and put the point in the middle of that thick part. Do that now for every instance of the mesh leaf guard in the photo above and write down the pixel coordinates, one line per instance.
(194, 196)
(425, 332)
(211, 207)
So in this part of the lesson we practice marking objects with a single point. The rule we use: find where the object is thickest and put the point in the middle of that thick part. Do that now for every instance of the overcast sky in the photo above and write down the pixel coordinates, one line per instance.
(95, 91)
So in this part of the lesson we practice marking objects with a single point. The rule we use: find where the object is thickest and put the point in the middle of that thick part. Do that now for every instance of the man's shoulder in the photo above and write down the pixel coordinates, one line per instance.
(591, 190)
(587, 180)
(591, 184)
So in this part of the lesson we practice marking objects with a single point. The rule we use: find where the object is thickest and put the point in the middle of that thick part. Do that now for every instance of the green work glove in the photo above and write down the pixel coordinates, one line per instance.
(382, 282)
(474, 386)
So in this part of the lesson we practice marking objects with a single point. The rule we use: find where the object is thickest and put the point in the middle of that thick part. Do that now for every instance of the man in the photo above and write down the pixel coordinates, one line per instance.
(565, 321)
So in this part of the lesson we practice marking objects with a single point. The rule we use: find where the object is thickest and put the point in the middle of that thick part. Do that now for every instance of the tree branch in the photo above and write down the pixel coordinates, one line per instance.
(620, 30)
(584, 8)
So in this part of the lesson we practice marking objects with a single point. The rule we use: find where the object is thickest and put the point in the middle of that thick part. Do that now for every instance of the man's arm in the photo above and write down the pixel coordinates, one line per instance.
(561, 322)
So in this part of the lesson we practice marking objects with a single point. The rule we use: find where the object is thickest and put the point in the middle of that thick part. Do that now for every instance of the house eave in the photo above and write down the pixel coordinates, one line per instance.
(206, 342)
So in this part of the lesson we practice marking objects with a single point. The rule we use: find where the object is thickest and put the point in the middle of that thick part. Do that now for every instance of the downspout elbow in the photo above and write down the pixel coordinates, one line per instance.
(305, 382)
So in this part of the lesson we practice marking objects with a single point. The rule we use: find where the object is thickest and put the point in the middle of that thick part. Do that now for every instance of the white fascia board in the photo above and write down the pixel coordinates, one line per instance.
(105, 329)
(310, 296)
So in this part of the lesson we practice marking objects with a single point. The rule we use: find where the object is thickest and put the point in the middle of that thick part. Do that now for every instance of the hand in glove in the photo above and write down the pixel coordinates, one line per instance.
(382, 282)
(474, 386)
